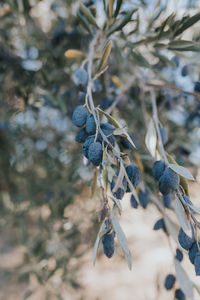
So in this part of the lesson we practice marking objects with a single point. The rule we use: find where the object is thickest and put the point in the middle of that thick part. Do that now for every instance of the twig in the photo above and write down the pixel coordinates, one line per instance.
(167, 85)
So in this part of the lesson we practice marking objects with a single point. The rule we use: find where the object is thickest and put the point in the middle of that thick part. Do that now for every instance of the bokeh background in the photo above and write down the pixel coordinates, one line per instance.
(48, 221)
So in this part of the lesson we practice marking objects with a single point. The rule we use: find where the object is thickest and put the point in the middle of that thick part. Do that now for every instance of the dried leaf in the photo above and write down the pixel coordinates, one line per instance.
(88, 15)
(180, 213)
(122, 239)
(105, 56)
(183, 280)
(96, 245)
(151, 138)
(73, 53)
(181, 171)
(103, 213)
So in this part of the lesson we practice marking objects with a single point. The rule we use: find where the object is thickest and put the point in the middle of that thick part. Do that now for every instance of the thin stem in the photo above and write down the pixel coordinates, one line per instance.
(162, 151)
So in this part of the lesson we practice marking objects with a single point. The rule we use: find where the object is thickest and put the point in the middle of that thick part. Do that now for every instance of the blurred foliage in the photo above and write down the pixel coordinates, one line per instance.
(41, 169)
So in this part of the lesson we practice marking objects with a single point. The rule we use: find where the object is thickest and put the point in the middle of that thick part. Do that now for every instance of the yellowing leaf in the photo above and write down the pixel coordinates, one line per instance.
(117, 81)
(88, 15)
(105, 55)
(73, 53)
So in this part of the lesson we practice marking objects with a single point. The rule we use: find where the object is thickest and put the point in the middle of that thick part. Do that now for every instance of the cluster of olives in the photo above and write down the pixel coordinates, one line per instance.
(92, 142)
(171, 279)
(193, 248)
(168, 181)
(169, 284)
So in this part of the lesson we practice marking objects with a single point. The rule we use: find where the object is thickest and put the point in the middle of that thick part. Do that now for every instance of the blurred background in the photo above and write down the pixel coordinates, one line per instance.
(48, 222)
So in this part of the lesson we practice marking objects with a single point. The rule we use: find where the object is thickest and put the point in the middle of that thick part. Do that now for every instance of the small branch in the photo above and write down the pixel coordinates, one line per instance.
(167, 85)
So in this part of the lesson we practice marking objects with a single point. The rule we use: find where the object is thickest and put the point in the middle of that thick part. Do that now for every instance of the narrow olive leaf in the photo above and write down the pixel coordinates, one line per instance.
(110, 118)
(184, 281)
(73, 53)
(122, 239)
(110, 8)
(151, 138)
(160, 46)
(118, 6)
(117, 202)
(181, 171)
(140, 60)
(119, 24)
(120, 178)
(96, 244)
(180, 213)
(187, 23)
(129, 139)
(164, 59)
(155, 16)
(168, 20)
(84, 22)
(172, 228)
(183, 45)
(94, 183)
(88, 15)
(117, 81)
(131, 186)
(105, 56)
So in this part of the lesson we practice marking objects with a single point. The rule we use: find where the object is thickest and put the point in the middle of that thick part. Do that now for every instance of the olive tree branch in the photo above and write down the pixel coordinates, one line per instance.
(162, 151)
